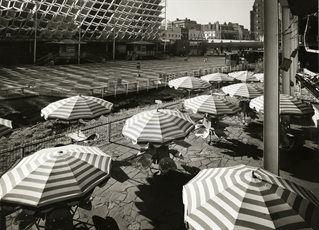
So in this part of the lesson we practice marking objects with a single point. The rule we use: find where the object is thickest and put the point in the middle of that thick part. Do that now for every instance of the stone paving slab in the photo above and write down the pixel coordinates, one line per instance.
(136, 198)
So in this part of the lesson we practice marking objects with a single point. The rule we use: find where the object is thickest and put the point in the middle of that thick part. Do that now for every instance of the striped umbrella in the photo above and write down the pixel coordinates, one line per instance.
(242, 90)
(259, 76)
(5, 126)
(211, 104)
(217, 77)
(243, 197)
(288, 105)
(157, 126)
(76, 107)
(55, 175)
(188, 83)
(245, 76)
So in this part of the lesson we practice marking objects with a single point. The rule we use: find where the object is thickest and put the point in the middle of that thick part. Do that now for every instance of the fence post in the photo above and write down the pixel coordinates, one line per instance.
(23, 152)
(109, 133)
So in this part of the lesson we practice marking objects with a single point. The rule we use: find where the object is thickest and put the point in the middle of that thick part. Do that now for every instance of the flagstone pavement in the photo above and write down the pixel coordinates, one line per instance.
(138, 198)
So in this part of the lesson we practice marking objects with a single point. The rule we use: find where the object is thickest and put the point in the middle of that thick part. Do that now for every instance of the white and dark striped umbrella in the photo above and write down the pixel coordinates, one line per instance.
(217, 77)
(288, 105)
(259, 76)
(242, 90)
(5, 126)
(245, 76)
(243, 197)
(76, 107)
(211, 104)
(55, 175)
(188, 83)
(157, 126)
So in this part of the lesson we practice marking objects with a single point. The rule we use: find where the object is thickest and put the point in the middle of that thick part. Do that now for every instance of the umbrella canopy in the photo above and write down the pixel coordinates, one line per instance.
(242, 90)
(243, 197)
(76, 107)
(245, 76)
(259, 76)
(5, 126)
(55, 175)
(157, 126)
(211, 104)
(217, 77)
(188, 83)
(288, 105)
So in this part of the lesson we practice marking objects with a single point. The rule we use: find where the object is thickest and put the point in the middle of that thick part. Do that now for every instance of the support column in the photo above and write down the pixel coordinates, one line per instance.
(286, 41)
(271, 87)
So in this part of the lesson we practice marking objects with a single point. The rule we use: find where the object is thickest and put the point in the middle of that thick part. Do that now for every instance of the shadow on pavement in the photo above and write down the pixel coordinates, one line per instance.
(255, 130)
(238, 149)
(302, 163)
(117, 173)
(107, 223)
(162, 200)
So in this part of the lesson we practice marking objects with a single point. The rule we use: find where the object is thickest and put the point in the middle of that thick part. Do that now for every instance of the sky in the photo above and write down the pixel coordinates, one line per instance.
(204, 11)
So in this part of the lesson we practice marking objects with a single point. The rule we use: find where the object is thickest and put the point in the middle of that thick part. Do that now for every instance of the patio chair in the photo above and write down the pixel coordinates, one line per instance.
(205, 130)
(59, 219)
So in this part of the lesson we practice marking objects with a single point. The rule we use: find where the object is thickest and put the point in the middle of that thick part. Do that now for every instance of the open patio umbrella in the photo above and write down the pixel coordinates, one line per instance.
(76, 107)
(259, 76)
(5, 126)
(242, 90)
(157, 126)
(243, 197)
(54, 175)
(288, 105)
(188, 83)
(245, 76)
(217, 77)
(211, 104)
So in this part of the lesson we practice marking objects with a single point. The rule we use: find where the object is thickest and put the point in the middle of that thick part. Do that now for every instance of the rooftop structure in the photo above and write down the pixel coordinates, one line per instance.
(95, 20)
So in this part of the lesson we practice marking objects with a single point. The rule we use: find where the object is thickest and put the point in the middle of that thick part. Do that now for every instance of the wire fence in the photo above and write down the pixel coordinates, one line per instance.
(108, 132)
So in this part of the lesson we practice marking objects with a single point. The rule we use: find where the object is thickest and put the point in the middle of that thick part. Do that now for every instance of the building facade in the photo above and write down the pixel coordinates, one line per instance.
(257, 20)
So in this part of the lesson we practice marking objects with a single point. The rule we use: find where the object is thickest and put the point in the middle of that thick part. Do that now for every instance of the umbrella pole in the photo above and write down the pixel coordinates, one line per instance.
(78, 127)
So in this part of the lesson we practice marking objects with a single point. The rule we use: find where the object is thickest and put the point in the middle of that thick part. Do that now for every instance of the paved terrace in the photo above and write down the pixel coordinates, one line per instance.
(101, 78)
(138, 199)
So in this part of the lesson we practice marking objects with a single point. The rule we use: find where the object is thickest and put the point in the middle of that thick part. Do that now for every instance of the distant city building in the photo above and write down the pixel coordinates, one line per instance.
(257, 20)
(194, 34)
(171, 34)
(186, 23)
(211, 30)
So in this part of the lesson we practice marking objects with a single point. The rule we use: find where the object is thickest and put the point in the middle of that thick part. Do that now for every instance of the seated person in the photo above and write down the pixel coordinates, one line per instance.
(160, 153)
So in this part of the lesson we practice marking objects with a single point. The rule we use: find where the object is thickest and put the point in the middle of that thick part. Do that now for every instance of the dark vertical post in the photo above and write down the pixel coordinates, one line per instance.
(286, 44)
(271, 90)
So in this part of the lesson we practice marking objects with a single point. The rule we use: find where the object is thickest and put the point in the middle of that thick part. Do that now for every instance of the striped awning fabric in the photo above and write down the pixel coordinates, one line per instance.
(243, 197)
(188, 83)
(54, 175)
(259, 76)
(5, 126)
(76, 107)
(215, 105)
(288, 105)
(245, 76)
(157, 126)
(242, 90)
(217, 77)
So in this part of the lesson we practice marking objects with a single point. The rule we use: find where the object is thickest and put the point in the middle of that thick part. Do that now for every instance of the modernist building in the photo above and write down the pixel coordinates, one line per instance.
(86, 20)
(257, 20)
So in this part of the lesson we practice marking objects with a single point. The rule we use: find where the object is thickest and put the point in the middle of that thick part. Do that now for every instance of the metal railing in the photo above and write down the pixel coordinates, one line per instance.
(108, 132)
